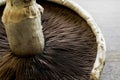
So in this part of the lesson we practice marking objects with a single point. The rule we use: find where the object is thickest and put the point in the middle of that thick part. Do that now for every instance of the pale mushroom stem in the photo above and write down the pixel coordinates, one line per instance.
(22, 20)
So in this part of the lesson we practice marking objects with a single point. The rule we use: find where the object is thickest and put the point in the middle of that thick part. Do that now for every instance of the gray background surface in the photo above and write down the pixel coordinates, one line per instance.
(107, 15)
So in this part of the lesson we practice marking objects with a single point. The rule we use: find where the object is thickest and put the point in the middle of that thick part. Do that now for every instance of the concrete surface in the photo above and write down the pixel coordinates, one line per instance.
(107, 15)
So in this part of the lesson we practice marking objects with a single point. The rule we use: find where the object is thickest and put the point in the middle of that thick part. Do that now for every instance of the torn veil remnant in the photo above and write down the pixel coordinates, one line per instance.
(22, 20)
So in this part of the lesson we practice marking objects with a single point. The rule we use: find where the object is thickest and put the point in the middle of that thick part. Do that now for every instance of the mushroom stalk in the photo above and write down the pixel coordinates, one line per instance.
(22, 20)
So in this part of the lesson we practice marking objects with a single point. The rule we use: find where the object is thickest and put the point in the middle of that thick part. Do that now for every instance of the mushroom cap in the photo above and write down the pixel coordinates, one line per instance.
(74, 47)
